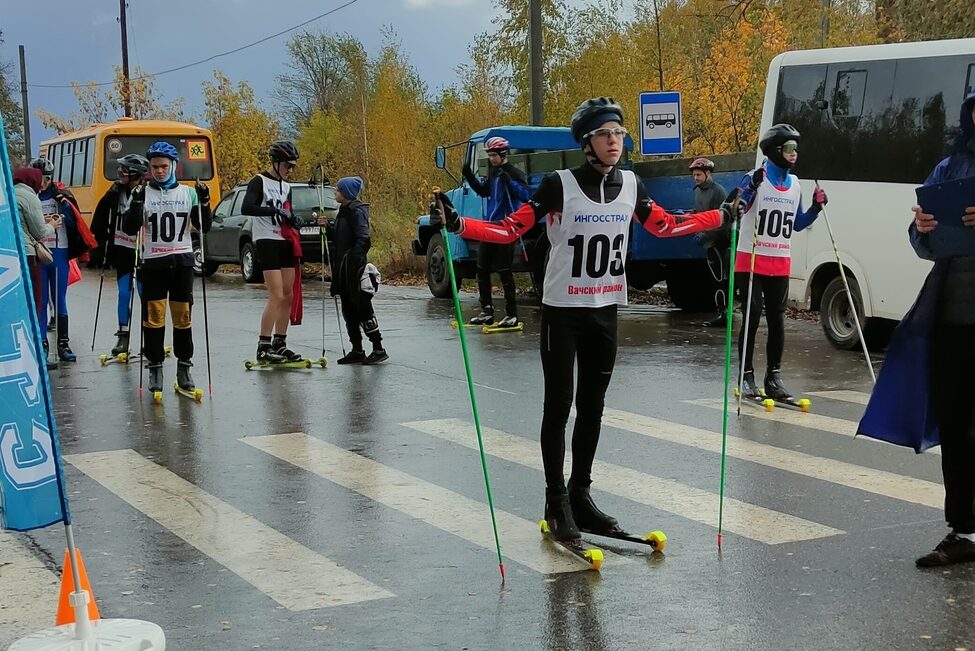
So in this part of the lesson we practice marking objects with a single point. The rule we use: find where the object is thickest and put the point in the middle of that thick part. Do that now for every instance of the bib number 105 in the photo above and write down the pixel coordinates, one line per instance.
(594, 254)
(775, 223)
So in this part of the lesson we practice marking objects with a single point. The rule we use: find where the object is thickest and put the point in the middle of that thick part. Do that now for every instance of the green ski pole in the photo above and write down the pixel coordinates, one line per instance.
(727, 364)
(470, 378)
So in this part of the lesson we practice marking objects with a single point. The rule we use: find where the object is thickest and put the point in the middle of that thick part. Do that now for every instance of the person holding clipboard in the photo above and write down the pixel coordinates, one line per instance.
(923, 396)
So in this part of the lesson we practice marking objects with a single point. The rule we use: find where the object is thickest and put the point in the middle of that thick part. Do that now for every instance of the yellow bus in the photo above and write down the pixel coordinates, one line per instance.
(86, 160)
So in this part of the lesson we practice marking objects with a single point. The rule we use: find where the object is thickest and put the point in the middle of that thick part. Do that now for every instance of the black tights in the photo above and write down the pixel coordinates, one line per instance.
(589, 335)
(496, 257)
(773, 291)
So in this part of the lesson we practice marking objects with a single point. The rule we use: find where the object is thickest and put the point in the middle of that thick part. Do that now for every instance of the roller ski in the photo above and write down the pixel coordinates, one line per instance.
(507, 324)
(453, 324)
(594, 522)
(559, 527)
(124, 356)
(750, 393)
(184, 384)
(776, 391)
(269, 358)
(155, 384)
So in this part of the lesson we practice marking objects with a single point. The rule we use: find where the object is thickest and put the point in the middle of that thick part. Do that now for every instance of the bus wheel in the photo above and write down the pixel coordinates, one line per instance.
(836, 315)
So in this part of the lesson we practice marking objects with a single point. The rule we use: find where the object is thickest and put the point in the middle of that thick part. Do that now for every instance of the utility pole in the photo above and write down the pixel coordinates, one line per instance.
(535, 61)
(126, 94)
(824, 34)
(23, 103)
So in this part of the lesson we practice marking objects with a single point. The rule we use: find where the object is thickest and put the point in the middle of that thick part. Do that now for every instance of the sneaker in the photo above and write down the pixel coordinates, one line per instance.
(508, 322)
(375, 357)
(953, 549)
(353, 357)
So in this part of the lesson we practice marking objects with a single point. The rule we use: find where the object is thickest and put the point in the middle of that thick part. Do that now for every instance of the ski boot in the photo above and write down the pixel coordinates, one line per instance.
(720, 320)
(558, 515)
(122, 346)
(509, 321)
(51, 365)
(279, 346)
(155, 378)
(65, 353)
(354, 356)
(774, 388)
(486, 317)
(266, 355)
(748, 387)
(586, 514)
(183, 378)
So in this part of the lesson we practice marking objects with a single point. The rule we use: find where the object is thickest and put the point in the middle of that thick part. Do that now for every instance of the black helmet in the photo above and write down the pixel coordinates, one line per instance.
(135, 164)
(44, 165)
(592, 114)
(776, 136)
(281, 151)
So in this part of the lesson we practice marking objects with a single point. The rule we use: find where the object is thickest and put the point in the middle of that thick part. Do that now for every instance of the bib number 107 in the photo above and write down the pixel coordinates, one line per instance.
(167, 227)
(594, 254)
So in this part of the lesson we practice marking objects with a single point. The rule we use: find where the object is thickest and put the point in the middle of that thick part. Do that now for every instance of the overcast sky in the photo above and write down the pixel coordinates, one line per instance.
(79, 40)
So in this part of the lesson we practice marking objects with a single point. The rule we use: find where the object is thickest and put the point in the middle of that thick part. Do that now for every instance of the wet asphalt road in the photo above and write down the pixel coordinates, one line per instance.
(344, 507)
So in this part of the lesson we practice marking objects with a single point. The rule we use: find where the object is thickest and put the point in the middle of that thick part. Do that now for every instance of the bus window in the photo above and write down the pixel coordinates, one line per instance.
(195, 154)
(848, 94)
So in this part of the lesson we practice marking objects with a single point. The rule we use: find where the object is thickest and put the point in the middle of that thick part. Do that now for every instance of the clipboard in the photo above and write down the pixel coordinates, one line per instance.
(947, 202)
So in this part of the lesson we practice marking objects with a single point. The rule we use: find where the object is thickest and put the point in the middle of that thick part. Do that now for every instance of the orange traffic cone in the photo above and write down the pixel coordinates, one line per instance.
(65, 611)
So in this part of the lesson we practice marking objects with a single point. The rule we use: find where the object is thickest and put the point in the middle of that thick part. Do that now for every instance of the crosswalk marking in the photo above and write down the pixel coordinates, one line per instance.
(856, 397)
(30, 591)
(288, 572)
(465, 518)
(880, 482)
(747, 520)
(790, 417)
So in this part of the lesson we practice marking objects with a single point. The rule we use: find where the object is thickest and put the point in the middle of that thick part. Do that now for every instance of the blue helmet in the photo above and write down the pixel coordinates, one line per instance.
(163, 149)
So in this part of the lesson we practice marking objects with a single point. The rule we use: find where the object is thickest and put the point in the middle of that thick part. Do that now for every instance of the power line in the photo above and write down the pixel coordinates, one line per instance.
(213, 57)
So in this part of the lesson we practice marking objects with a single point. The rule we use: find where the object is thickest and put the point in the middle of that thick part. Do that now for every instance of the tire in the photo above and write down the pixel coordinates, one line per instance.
(438, 277)
(835, 314)
(691, 287)
(249, 268)
(199, 268)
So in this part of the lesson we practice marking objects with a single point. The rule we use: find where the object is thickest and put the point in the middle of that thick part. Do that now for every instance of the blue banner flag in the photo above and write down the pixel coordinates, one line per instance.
(31, 480)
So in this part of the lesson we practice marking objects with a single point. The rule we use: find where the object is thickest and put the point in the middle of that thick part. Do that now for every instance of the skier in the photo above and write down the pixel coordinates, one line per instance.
(268, 202)
(352, 242)
(116, 247)
(505, 189)
(165, 210)
(771, 195)
(709, 195)
(588, 211)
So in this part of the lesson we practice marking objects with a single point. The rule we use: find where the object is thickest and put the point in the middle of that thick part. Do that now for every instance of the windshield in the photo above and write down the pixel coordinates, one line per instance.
(195, 154)
(306, 198)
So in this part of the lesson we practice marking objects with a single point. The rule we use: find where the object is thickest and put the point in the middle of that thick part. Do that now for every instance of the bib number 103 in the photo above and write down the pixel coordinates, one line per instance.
(594, 255)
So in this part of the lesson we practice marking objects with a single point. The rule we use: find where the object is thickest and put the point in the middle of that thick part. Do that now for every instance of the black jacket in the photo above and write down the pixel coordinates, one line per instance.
(103, 222)
(351, 243)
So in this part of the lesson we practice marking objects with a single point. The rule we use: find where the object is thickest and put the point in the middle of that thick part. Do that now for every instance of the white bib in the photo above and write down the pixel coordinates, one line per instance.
(776, 213)
(122, 238)
(586, 264)
(167, 222)
(268, 227)
(59, 240)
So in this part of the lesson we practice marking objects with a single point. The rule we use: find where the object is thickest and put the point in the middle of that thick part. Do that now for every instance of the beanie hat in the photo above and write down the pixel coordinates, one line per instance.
(350, 187)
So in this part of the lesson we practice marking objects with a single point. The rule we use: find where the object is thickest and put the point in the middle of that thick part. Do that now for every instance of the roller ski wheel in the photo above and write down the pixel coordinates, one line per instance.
(591, 555)
(157, 397)
(798, 404)
(759, 400)
(193, 394)
(321, 361)
(497, 328)
(775, 390)
(453, 324)
(305, 363)
(103, 359)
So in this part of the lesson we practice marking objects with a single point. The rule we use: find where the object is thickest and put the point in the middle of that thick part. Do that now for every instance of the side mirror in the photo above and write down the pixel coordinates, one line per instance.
(441, 157)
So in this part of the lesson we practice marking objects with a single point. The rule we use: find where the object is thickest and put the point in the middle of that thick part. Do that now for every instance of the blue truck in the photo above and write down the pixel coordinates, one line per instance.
(538, 151)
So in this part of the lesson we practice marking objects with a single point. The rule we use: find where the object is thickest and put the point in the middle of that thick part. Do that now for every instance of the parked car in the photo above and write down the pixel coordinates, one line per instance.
(229, 240)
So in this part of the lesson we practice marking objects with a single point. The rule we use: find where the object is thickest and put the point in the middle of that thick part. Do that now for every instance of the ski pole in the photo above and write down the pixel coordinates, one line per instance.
(748, 310)
(727, 368)
(524, 255)
(142, 307)
(849, 294)
(321, 232)
(98, 304)
(206, 319)
(470, 378)
(331, 271)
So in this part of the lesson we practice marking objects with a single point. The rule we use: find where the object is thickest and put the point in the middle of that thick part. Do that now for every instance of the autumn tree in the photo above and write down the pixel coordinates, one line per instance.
(13, 122)
(912, 20)
(241, 130)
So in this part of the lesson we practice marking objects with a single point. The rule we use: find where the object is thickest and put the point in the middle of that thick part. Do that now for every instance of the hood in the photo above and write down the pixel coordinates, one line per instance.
(29, 176)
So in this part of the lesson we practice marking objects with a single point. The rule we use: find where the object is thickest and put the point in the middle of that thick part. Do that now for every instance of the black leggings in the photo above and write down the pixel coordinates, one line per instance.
(589, 335)
(773, 291)
(952, 384)
(160, 283)
(359, 316)
(496, 257)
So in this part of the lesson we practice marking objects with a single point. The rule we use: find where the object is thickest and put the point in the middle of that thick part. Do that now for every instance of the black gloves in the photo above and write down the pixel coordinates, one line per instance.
(450, 216)
(731, 211)
(757, 177)
(202, 193)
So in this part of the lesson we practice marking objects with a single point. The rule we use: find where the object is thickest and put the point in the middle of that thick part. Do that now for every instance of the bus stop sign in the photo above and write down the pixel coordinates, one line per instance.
(660, 124)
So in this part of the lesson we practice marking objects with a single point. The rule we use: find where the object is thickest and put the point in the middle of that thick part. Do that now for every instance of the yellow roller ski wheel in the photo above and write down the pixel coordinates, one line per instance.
(543, 525)
(595, 558)
(157, 397)
(248, 365)
(804, 404)
(123, 358)
(322, 362)
(769, 404)
(103, 359)
(307, 363)
(657, 540)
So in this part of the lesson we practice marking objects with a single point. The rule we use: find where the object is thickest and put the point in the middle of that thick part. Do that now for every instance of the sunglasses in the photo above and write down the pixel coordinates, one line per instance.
(789, 149)
(617, 132)
(290, 165)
